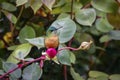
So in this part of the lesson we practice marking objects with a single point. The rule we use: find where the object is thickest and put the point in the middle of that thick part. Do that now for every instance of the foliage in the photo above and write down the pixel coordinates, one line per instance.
(91, 25)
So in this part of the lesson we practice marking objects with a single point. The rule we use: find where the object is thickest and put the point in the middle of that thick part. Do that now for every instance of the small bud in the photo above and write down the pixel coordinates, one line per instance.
(85, 45)
(51, 52)
(52, 41)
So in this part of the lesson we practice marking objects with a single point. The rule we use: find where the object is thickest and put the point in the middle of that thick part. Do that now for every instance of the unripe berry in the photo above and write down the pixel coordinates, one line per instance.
(52, 41)
(85, 45)
(51, 52)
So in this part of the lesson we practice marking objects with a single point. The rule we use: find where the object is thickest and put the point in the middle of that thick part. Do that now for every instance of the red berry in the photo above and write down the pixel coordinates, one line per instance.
(51, 52)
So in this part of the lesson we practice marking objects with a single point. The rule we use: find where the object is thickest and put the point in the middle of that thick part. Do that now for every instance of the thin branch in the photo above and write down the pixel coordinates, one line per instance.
(72, 9)
(9, 72)
(70, 42)
(65, 72)
(69, 48)
(20, 14)
(18, 18)
(22, 65)
(103, 52)
(14, 26)
(86, 6)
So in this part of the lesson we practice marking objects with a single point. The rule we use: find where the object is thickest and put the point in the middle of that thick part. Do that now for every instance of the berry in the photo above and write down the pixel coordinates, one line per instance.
(52, 41)
(51, 52)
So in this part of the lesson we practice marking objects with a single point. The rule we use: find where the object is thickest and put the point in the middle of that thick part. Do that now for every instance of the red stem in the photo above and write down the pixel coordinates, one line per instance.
(22, 65)
(9, 72)
(65, 72)
(70, 48)
(70, 42)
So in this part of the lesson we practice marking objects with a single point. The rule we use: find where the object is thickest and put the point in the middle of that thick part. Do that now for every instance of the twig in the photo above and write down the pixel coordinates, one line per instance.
(20, 14)
(65, 72)
(18, 18)
(72, 9)
(22, 65)
(102, 52)
(69, 48)
(86, 6)
(70, 42)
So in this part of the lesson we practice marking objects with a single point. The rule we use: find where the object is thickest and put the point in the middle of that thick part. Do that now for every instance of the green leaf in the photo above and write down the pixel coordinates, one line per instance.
(95, 74)
(66, 29)
(2, 1)
(64, 56)
(1, 66)
(9, 66)
(20, 52)
(63, 15)
(86, 16)
(101, 78)
(8, 6)
(2, 72)
(11, 78)
(72, 57)
(76, 6)
(81, 37)
(56, 11)
(75, 75)
(92, 49)
(114, 77)
(26, 33)
(60, 3)
(39, 29)
(10, 17)
(35, 5)
(114, 34)
(100, 13)
(84, 2)
(21, 2)
(103, 25)
(91, 79)
(32, 72)
(94, 31)
(67, 8)
(12, 47)
(48, 3)
(38, 42)
(105, 38)
(2, 44)
(108, 6)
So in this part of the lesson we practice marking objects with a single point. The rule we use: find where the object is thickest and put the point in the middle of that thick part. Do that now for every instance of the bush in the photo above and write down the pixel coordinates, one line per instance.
(59, 40)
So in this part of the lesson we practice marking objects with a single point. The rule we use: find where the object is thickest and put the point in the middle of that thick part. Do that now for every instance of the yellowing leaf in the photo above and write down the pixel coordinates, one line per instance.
(2, 45)
(8, 37)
